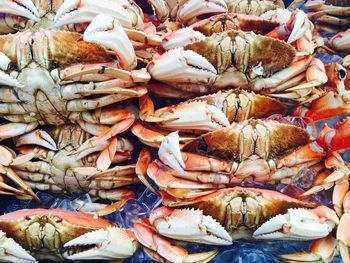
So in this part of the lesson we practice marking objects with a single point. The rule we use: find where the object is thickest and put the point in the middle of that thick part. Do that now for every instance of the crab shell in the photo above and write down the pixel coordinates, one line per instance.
(233, 21)
(283, 139)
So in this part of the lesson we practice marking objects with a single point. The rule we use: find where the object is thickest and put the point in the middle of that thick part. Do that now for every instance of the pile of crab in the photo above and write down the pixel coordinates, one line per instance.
(214, 105)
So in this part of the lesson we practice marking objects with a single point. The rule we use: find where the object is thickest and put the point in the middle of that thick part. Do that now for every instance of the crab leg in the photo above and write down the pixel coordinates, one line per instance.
(91, 104)
(320, 250)
(142, 164)
(95, 141)
(90, 121)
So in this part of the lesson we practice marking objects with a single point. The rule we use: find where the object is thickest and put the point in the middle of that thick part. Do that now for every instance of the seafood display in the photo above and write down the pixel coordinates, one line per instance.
(235, 115)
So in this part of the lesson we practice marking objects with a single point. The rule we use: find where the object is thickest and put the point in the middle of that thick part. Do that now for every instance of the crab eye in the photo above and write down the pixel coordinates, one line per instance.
(342, 74)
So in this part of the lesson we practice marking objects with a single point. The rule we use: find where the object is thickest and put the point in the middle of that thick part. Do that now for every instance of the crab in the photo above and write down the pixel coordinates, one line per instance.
(280, 23)
(254, 150)
(241, 213)
(37, 234)
(54, 167)
(215, 63)
(331, 15)
(212, 112)
(73, 88)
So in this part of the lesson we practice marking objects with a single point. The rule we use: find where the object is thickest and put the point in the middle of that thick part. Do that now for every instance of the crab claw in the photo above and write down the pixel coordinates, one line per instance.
(167, 250)
(189, 225)
(11, 251)
(180, 38)
(38, 137)
(194, 8)
(24, 8)
(170, 154)
(108, 32)
(337, 138)
(299, 224)
(300, 24)
(81, 11)
(107, 244)
(341, 41)
(178, 65)
(193, 115)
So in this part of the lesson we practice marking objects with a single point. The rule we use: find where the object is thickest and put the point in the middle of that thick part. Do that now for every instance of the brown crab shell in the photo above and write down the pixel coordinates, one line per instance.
(59, 48)
(68, 225)
(272, 54)
(279, 140)
(232, 21)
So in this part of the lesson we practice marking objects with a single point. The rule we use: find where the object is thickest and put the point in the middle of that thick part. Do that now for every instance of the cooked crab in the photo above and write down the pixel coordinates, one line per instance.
(202, 114)
(248, 213)
(73, 80)
(216, 62)
(263, 151)
(37, 234)
(54, 168)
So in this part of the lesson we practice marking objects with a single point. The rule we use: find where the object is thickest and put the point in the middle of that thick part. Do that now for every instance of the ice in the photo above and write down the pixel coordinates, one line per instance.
(137, 208)
(51, 201)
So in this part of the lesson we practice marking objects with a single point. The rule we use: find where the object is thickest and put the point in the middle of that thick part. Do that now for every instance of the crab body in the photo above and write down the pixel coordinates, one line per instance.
(57, 170)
